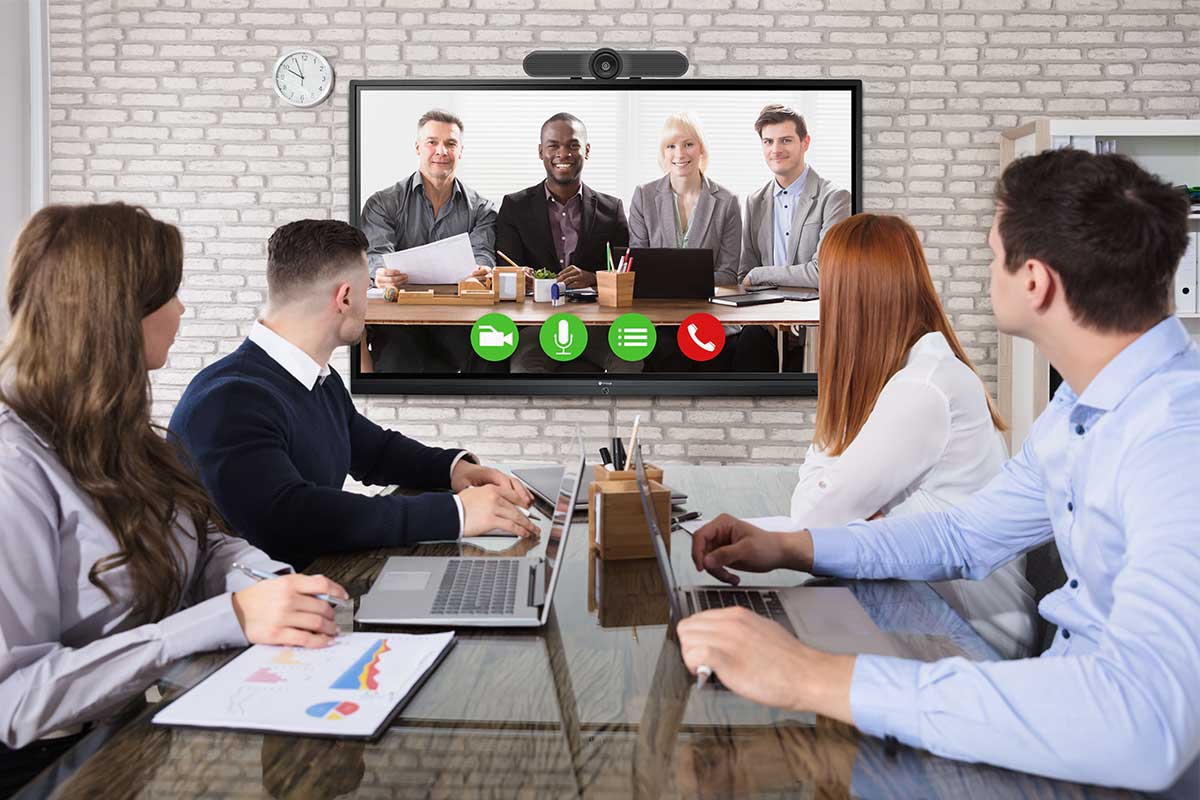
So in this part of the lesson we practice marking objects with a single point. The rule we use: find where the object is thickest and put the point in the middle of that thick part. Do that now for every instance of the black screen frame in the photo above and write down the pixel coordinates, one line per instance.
(801, 384)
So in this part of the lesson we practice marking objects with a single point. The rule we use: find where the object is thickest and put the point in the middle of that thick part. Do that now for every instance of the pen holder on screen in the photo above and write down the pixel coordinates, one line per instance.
(615, 289)
(617, 526)
(510, 283)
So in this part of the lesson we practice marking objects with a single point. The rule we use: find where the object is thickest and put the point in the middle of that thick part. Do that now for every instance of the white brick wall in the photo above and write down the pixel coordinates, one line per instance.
(168, 103)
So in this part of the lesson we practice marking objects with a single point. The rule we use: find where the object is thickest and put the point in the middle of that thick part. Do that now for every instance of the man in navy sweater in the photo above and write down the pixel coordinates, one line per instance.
(273, 432)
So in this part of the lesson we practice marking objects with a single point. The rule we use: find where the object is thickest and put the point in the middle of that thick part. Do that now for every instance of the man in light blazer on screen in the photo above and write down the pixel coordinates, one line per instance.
(785, 222)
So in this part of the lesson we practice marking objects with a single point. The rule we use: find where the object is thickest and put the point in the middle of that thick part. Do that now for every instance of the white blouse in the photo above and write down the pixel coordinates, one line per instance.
(928, 444)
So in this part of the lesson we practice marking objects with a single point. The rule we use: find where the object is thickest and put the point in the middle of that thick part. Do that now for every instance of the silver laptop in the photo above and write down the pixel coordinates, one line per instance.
(479, 592)
(543, 481)
(826, 617)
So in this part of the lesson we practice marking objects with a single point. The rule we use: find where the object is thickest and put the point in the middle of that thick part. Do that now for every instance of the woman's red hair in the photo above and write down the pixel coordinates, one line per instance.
(877, 300)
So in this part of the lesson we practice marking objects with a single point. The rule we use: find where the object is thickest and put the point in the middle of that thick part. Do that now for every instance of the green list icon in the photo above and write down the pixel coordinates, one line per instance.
(494, 337)
(563, 337)
(632, 337)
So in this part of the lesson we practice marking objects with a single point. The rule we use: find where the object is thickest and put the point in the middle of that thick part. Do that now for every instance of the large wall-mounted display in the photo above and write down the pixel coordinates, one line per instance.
(597, 237)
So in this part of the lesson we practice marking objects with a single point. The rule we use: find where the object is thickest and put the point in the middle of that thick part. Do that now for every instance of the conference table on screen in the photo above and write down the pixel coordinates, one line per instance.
(597, 703)
(803, 315)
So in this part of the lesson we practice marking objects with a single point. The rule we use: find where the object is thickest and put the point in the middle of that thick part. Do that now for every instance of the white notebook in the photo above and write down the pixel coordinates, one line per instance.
(353, 688)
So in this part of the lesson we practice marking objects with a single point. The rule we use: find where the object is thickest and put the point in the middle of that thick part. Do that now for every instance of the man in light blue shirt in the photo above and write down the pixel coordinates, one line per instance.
(1085, 252)
(786, 202)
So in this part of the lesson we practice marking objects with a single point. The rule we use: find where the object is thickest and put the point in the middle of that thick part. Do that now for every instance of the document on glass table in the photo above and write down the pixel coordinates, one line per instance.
(351, 689)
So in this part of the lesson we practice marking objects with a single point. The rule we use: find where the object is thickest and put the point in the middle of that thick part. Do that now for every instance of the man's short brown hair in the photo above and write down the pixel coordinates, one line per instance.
(303, 253)
(775, 114)
(439, 115)
(1112, 231)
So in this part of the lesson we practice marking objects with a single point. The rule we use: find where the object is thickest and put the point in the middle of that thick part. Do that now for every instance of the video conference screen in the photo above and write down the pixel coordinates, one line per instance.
(581, 236)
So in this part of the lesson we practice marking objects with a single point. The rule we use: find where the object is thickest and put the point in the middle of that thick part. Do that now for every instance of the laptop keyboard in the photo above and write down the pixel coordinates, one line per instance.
(765, 604)
(477, 586)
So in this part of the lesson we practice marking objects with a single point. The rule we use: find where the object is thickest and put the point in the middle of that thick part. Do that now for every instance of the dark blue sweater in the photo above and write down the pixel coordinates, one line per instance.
(275, 455)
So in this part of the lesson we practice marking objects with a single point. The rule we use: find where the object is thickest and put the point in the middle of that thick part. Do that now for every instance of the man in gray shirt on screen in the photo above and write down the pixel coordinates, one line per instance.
(785, 222)
(428, 205)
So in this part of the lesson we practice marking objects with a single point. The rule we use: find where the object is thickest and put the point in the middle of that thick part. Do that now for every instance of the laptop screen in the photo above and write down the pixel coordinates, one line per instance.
(564, 507)
(660, 548)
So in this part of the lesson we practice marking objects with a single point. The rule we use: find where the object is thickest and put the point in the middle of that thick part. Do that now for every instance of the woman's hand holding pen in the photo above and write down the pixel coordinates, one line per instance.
(284, 611)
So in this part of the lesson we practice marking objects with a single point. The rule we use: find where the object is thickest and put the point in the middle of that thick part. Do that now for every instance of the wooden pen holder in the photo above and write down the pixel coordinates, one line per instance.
(617, 526)
(509, 283)
(615, 289)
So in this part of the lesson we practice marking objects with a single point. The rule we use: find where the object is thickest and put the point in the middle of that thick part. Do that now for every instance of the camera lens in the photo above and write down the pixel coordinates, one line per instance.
(605, 64)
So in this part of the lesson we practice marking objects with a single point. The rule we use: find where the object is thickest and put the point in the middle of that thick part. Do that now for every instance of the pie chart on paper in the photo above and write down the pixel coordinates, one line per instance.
(332, 710)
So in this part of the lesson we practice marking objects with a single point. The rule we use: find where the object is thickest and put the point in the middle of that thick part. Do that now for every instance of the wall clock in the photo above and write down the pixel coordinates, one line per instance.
(303, 78)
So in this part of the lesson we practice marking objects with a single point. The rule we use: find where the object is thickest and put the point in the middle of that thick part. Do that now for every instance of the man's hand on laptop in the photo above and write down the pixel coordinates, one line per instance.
(759, 660)
(491, 508)
(467, 474)
(730, 543)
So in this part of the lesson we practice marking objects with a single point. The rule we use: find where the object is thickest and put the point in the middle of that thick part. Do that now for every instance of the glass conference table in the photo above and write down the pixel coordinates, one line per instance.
(596, 704)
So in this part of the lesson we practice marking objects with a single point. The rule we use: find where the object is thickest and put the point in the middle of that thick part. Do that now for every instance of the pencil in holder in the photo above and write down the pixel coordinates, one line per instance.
(615, 289)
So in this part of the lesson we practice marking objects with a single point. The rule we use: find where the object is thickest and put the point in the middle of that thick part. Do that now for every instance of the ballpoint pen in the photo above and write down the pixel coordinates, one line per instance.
(259, 575)
(703, 673)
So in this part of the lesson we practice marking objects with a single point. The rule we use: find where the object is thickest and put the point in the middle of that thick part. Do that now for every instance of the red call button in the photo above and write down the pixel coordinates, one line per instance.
(701, 337)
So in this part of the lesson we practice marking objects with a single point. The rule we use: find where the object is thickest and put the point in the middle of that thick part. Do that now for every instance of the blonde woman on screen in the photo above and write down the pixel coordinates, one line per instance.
(686, 208)
(904, 423)
(113, 560)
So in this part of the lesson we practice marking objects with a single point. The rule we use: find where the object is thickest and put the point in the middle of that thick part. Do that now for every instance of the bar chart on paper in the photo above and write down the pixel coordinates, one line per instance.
(351, 688)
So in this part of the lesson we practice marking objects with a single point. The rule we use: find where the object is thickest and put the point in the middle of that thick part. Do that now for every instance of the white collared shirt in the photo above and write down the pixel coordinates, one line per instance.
(301, 366)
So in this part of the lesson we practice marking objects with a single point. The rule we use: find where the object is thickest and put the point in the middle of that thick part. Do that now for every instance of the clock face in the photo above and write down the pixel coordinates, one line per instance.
(303, 78)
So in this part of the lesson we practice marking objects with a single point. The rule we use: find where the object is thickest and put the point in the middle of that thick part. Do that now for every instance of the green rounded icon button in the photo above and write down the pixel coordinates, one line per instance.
(494, 337)
(563, 337)
(632, 337)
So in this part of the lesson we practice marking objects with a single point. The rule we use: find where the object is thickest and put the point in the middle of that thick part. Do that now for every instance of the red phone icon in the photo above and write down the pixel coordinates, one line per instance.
(701, 337)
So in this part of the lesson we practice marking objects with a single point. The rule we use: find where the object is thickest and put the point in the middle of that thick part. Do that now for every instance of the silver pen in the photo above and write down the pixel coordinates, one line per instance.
(703, 673)
(259, 575)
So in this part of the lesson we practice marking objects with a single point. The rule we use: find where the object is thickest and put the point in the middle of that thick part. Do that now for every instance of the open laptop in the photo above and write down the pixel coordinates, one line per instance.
(826, 617)
(544, 481)
(671, 273)
(478, 592)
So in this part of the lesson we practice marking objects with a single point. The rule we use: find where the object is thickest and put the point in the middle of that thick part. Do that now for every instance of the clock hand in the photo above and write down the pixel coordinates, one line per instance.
(299, 75)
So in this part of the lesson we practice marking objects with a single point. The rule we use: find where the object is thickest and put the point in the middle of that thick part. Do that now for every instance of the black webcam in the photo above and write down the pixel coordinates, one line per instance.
(605, 64)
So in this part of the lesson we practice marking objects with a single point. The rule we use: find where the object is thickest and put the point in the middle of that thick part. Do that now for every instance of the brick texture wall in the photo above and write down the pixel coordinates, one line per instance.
(168, 103)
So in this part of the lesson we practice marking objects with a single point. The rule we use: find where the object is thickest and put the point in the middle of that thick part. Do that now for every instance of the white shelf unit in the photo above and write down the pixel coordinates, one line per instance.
(1171, 149)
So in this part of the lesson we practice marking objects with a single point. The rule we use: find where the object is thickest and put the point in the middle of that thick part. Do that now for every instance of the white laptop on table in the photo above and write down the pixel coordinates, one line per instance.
(480, 592)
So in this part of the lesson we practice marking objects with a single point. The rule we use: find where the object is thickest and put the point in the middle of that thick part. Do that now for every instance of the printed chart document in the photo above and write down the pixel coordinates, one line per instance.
(444, 261)
(353, 688)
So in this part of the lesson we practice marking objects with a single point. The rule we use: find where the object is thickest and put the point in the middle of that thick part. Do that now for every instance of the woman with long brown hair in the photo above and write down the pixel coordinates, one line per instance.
(113, 560)
(904, 422)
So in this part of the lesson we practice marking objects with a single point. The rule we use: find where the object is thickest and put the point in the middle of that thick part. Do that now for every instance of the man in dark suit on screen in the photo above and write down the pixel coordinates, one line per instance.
(563, 225)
